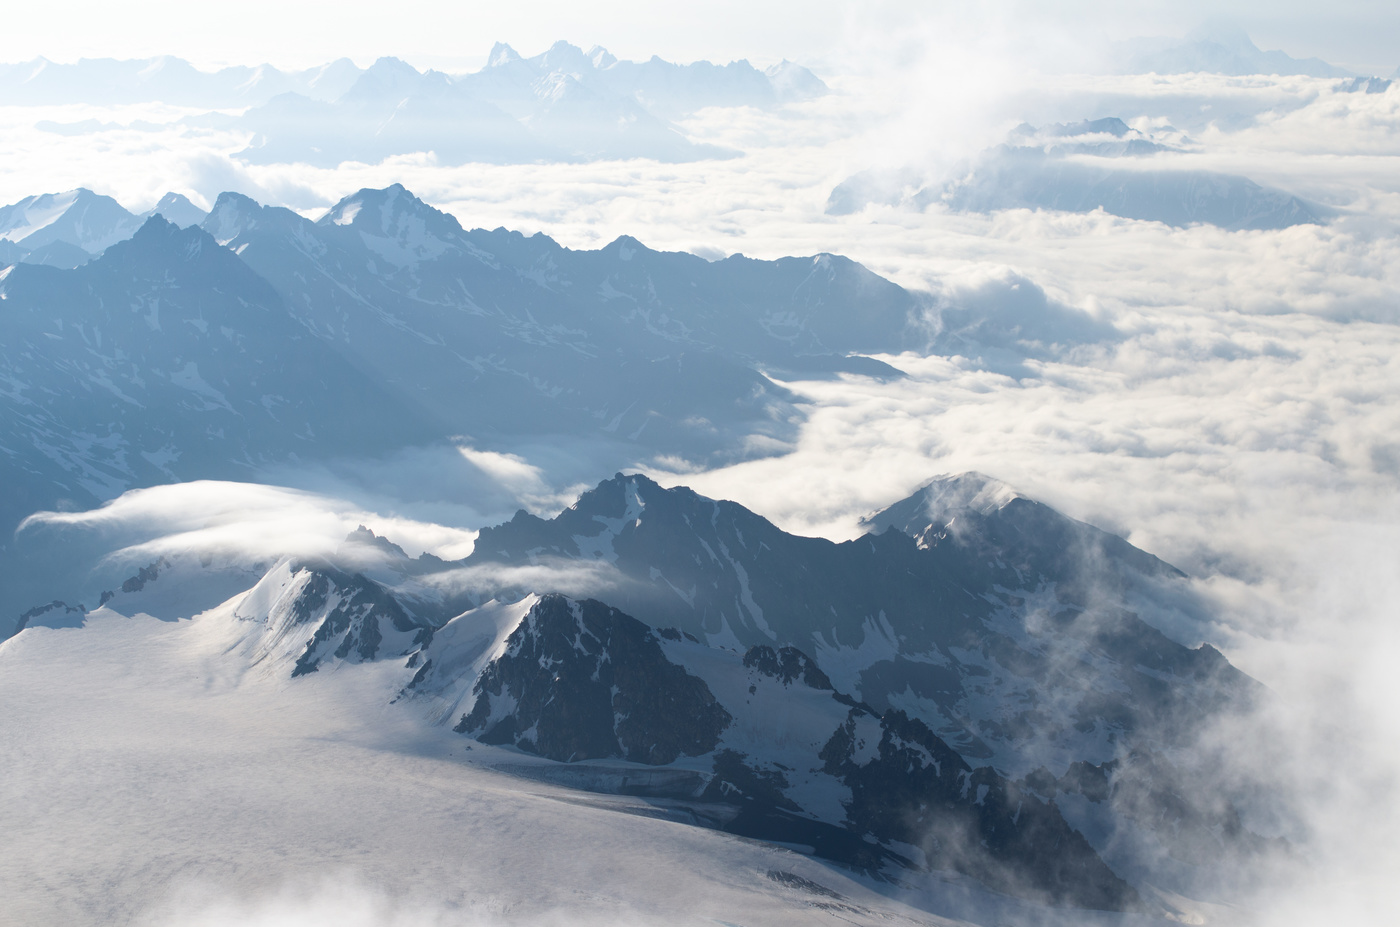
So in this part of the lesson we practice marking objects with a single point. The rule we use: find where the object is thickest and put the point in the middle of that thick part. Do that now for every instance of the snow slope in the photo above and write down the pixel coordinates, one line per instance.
(180, 782)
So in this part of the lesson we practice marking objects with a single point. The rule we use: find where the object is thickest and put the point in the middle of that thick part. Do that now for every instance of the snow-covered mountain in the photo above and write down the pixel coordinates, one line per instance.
(79, 217)
(390, 109)
(782, 755)
(966, 688)
(166, 79)
(564, 104)
(561, 105)
(68, 229)
(898, 617)
(1098, 164)
(1215, 48)
(665, 88)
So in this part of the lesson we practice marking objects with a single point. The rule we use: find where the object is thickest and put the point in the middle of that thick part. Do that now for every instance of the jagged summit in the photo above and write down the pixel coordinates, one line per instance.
(501, 54)
(387, 77)
(386, 210)
(79, 217)
(940, 501)
(600, 57)
(979, 513)
(177, 208)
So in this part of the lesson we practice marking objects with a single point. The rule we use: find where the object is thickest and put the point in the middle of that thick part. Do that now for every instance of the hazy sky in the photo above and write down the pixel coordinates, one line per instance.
(449, 34)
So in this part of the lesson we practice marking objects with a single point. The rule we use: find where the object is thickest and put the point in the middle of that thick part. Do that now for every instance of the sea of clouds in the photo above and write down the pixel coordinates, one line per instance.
(1229, 401)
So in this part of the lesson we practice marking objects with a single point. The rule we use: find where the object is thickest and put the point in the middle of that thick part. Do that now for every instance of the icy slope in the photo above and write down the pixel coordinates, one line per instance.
(150, 779)
(578, 680)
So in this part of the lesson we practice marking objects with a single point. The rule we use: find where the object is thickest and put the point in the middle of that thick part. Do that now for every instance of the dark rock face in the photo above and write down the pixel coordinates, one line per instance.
(1194, 823)
(144, 575)
(350, 612)
(918, 791)
(705, 566)
(735, 780)
(786, 664)
(56, 605)
(949, 581)
(581, 680)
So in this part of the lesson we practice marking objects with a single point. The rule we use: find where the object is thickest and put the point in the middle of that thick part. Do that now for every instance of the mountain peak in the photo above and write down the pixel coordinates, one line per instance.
(388, 64)
(91, 221)
(233, 214)
(626, 247)
(177, 208)
(971, 490)
(937, 503)
(1225, 33)
(501, 54)
(414, 230)
(162, 251)
(393, 203)
(566, 57)
(793, 82)
(387, 77)
(601, 57)
(363, 544)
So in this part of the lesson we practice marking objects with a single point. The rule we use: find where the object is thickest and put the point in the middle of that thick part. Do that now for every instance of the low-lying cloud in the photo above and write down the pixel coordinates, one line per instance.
(245, 520)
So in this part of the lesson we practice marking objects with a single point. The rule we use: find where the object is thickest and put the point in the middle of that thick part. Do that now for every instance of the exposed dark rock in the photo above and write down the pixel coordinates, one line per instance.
(350, 608)
(949, 587)
(736, 781)
(39, 610)
(147, 574)
(793, 880)
(787, 665)
(918, 791)
(581, 680)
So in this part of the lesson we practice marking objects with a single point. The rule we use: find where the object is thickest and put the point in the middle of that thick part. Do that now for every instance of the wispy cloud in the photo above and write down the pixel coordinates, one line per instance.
(245, 520)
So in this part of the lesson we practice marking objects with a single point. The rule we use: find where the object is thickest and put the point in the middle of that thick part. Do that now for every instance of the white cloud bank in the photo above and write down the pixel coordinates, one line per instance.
(245, 521)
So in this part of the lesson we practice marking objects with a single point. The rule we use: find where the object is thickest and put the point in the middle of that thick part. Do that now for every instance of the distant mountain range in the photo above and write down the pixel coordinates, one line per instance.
(564, 104)
(166, 79)
(1216, 48)
(261, 338)
(1081, 167)
(69, 229)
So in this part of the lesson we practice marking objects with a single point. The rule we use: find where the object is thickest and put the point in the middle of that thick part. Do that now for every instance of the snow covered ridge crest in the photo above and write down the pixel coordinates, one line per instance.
(984, 699)
(562, 105)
